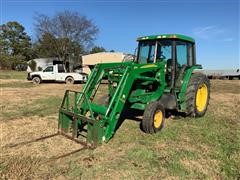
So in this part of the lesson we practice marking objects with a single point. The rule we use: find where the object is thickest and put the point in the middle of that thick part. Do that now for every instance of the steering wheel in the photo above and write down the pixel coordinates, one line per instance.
(162, 56)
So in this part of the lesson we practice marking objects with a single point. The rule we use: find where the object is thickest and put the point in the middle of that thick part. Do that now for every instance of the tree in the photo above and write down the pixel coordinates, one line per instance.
(97, 49)
(15, 45)
(33, 65)
(66, 34)
(47, 46)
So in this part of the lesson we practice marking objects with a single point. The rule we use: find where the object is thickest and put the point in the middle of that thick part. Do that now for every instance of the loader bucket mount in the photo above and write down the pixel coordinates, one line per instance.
(84, 120)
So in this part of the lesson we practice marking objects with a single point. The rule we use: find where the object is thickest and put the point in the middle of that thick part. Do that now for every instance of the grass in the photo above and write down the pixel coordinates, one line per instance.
(225, 86)
(187, 148)
(23, 166)
(8, 74)
(40, 107)
(17, 84)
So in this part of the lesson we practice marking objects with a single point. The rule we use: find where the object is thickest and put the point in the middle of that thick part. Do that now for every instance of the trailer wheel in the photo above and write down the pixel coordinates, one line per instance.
(197, 95)
(36, 80)
(69, 80)
(153, 117)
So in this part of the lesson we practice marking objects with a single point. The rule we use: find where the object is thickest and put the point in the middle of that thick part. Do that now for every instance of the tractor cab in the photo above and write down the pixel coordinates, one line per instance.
(177, 51)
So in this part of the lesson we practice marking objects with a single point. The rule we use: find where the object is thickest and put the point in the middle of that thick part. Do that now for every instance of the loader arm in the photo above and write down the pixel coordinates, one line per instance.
(99, 121)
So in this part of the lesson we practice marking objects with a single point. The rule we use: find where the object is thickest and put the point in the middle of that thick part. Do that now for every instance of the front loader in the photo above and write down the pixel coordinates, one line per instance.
(164, 76)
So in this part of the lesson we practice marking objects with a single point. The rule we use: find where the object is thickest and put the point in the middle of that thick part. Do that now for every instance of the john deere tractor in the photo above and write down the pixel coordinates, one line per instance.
(163, 77)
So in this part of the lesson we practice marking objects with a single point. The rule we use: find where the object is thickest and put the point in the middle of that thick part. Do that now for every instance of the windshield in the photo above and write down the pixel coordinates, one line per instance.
(147, 49)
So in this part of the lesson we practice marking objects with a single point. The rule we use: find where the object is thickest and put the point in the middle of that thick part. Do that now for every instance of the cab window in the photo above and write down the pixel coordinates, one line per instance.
(49, 69)
(184, 53)
(146, 52)
(61, 68)
(190, 54)
(164, 50)
(181, 53)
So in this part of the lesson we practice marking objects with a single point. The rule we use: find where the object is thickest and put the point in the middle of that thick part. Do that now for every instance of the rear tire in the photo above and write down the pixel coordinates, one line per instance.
(197, 95)
(153, 117)
(69, 80)
(36, 80)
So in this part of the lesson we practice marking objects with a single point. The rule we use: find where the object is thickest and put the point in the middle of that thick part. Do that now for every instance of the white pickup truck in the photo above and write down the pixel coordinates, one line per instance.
(56, 73)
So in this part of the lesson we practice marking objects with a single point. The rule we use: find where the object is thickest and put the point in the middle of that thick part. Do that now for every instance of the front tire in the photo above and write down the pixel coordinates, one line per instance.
(198, 95)
(36, 80)
(153, 117)
(69, 80)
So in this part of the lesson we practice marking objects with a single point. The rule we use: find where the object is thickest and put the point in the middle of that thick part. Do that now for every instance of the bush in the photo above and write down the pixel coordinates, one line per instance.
(21, 66)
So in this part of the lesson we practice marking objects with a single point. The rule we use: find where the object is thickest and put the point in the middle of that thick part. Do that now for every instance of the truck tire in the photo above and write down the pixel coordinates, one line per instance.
(69, 80)
(153, 118)
(197, 95)
(36, 80)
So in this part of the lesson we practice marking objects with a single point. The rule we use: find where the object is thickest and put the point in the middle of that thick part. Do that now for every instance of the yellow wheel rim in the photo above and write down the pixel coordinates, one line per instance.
(158, 119)
(201, 97)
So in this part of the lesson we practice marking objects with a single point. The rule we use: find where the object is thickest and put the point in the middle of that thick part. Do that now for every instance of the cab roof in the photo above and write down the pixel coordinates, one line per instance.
(167, 36)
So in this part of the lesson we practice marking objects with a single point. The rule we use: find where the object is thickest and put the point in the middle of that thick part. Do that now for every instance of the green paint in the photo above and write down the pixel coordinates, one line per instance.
(104, 119)
(129, 83)
(167, 36)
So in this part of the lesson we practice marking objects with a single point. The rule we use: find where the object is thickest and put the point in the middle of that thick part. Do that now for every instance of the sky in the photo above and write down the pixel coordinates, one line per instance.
(214, 24)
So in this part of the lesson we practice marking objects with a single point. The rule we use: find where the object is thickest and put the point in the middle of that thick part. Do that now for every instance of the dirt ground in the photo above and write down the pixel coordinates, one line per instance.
(24, 129)
(26, 116)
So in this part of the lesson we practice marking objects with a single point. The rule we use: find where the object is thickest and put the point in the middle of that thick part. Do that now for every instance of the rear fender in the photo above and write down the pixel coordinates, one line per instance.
(186, 78)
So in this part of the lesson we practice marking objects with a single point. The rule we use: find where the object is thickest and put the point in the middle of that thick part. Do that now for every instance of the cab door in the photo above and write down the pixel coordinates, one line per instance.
(184, 59)
(48, 74)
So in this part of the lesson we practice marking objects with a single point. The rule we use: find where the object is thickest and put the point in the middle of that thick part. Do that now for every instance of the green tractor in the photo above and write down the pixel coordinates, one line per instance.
(163, 77)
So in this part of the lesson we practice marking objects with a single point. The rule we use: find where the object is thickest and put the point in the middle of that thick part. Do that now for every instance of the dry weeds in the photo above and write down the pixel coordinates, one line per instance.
(23, 161)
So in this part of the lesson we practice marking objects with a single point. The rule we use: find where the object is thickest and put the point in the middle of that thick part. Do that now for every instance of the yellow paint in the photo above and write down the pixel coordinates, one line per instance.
(201, 97)
(158, 117)
(148, 66)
